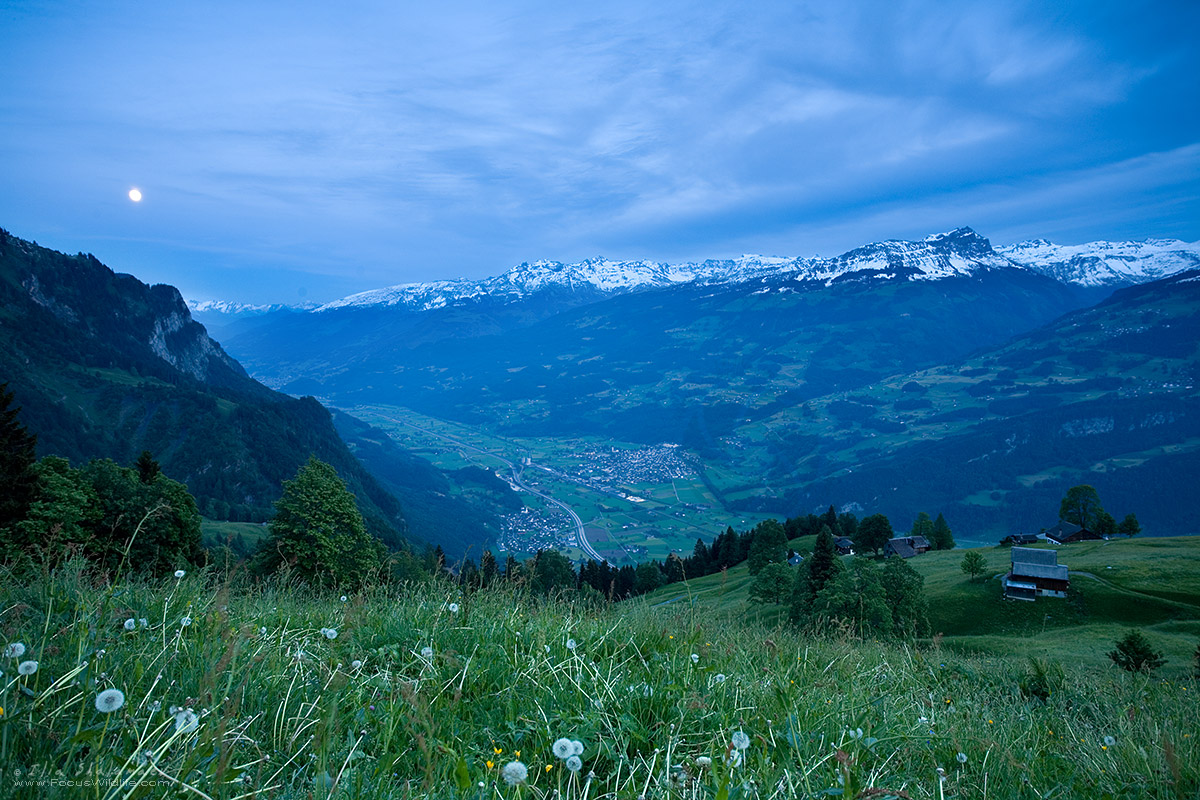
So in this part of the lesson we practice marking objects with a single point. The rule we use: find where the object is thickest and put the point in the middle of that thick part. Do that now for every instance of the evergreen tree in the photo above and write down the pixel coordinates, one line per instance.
(816, 571)
(512, 571)
(943, 537)
(148, 469)
(768, 546)
(18, 451)
(551, 572)
(848, 523)
(673, 569)
(488, 569)
(874, 532)
(923, 526)
(700, 559)
(830, 518)
(468, 575)
(319, 532)
(1129, 526)
(1135, 654)
(648, 577)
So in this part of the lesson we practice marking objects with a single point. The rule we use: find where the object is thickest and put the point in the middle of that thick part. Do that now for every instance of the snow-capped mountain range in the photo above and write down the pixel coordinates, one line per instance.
(956, 253)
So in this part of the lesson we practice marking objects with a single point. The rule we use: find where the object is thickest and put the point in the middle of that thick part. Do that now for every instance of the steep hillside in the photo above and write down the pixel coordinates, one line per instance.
(1106, 396)
(106, 367)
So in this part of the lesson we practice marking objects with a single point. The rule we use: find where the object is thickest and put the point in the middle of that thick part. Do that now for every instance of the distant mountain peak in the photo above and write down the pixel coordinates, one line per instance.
(1105, 263)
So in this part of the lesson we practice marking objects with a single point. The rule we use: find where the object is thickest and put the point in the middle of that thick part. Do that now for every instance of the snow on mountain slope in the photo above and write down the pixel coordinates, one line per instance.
(1105, 263)
(960, 252)
(955, 253)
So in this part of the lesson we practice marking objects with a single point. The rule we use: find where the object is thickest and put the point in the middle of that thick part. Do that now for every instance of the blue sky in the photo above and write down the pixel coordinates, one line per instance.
(303, 151)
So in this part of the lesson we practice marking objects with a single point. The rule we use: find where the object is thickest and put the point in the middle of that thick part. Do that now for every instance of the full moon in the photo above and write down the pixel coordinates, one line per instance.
(135, 195)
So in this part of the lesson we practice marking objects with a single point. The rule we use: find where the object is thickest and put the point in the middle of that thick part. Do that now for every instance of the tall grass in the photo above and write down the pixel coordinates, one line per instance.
(277, 691)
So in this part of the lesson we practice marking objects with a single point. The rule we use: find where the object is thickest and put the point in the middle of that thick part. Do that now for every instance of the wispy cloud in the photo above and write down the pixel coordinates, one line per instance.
(377, 143)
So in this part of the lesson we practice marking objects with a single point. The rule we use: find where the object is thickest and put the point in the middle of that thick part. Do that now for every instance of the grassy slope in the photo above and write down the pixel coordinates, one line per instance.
(649, 691)
(1154, 584)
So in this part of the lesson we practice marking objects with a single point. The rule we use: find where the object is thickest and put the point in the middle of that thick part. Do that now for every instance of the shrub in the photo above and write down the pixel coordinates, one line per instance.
(1135, 654)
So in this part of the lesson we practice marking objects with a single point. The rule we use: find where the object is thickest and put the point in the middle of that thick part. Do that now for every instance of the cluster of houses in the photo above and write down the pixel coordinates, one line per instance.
(1034, 572)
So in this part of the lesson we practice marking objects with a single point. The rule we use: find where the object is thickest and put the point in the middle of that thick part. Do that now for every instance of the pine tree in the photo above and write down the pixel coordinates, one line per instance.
(923, 526)
(18, 451)
(487, 568)
(943, 537)
(148, 469)
(769, 546)
(1135, 654)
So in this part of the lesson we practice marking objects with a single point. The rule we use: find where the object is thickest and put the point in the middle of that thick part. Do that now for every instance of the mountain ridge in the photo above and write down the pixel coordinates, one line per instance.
(958, 252)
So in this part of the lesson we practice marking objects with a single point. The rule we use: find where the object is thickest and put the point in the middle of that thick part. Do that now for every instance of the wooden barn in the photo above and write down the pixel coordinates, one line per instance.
(1035, 573)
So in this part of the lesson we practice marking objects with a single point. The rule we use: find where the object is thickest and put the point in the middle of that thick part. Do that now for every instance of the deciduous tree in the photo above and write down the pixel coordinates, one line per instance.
(1080, 506)
(973, 563)
(874, 532)
(319, 532)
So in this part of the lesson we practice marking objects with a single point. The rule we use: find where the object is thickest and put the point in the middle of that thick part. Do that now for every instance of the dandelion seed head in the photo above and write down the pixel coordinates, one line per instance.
(962, 758)
(514, 773)
(27, 667)
(109, 700)
(329, 633)
(704, 762)
(576, 747)
(1109, 741)
(130, 624)
(356, 664)
(740, 740)
(14, 650)
(155, 706)
(571, 644)
(454, 608)
(734, 759)
(426, 652)
(179, 573)
(695, 658)
(186, 720)
(719, 677)
(562, 748)
(143, 622)
(345, 599)
(262, 631)
(183, 623)
(574, 764)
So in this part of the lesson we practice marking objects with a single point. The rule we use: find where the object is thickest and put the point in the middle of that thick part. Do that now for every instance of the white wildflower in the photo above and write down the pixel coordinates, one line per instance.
(143, 622)
(14, 650)
(704, 762)
(344, 598)
(426, 652)
(962, 758)
(109, 700)
(454, 608)
(180, 573)
(719, 677)
(574, 764)
(740, 740)
(185, 720)
(1109, 741)
(514, 773)
(130, 624)
(695, 658)
(854, 733)
(576, 747)
(262, 631)
(183, 623)
(329, 633)
(562, 748)
(356, 664)
(734, 759)
(27, 667)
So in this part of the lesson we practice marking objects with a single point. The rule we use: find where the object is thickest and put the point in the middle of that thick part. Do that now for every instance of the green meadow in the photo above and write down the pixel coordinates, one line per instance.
(228, 689)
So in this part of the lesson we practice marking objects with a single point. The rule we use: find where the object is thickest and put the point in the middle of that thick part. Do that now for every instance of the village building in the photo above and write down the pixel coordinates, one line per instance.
(1067, 533)
(1035, 573)
(906, 547)
(1022, 538)
(844, 545)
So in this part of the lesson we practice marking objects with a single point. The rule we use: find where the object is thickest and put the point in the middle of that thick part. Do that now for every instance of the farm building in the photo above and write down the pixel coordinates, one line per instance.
(844, 545)
(1035, 573)
(1021, 538)
(1066, 533)
(906, 546)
